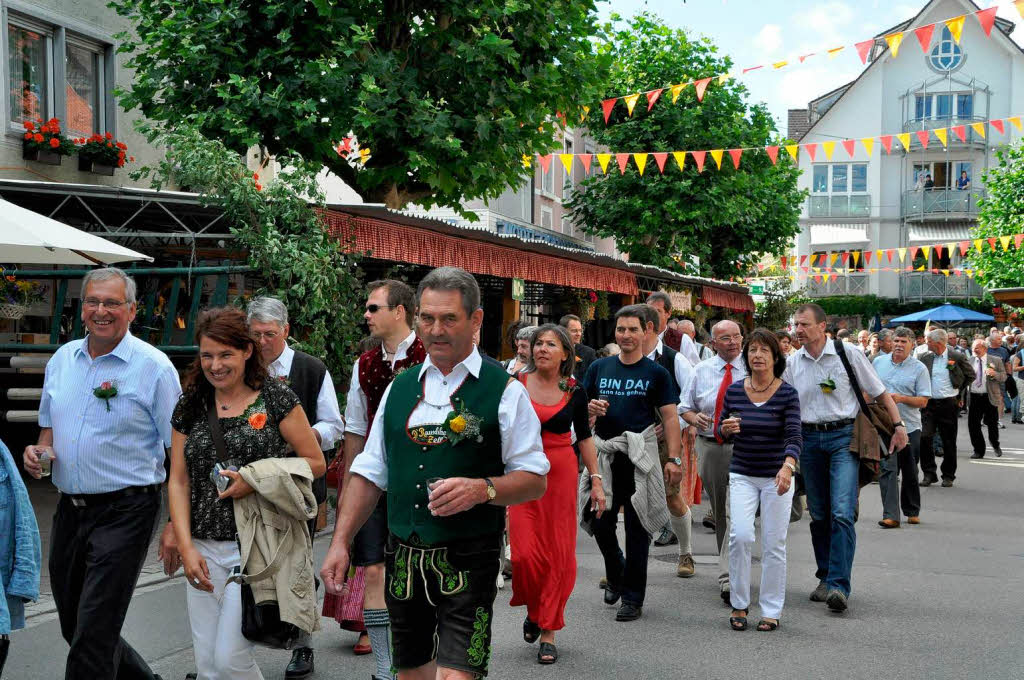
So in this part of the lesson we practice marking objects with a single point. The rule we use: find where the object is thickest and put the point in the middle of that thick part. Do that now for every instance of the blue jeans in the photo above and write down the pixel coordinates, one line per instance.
(829, 470)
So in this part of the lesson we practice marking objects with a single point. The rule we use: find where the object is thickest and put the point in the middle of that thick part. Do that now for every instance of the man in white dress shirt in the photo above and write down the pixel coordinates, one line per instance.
(828, 406)
(452, 444)
(662, 304)
(311, 381)
(701, 407)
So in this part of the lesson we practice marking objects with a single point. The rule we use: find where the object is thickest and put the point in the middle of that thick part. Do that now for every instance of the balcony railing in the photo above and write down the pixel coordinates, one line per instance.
(970, 136)
(929, 286)
(857, 205)
(849, 284)
(940, 203)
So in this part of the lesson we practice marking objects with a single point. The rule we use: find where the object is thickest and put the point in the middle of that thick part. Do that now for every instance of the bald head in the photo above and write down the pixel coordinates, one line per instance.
(727, 339)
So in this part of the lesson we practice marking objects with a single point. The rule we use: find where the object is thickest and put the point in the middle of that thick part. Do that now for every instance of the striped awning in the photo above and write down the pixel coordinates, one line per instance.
(838, 234)
(928, 234)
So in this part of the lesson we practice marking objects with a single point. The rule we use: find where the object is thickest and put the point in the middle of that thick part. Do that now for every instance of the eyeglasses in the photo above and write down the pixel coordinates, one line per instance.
(112, 305)
(269, 335)
(373, 309)
(729, 338)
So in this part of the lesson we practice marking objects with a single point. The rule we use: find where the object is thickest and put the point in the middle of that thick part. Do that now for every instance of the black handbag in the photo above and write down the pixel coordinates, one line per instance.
(261, 621)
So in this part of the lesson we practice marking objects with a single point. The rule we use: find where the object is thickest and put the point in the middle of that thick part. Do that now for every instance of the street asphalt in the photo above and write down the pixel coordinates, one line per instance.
(938, 600)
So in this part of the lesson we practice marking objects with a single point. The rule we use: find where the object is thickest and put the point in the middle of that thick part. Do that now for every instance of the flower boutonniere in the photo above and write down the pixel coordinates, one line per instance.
(284, 379)
(462, 424)
(106, 391)
(828, 386)
(258, 421)
(951, 363)
(567, 384)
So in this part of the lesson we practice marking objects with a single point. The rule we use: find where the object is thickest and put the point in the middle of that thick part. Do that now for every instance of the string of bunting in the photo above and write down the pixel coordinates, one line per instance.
(923, 137)
(986, 18)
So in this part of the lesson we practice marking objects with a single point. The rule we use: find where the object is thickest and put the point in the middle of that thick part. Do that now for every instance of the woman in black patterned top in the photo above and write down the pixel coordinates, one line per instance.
(259, 418)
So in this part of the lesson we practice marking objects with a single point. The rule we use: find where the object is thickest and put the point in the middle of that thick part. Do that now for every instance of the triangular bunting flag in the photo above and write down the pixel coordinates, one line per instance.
(863, 48)
(811, 149)
(545, 162)
(779, 64)
(833, 277)
(660, 159)
(992, 242)
(905, 140)
(782, 261)
(986, 18)
(805, 56)
(942, 134)
(724, 77)
(856, 257)
(832, 53)
(641, 162)
(566, 159)
(979, 128)
(846, 257)
(964, 247)
(956, 27)
(752, 68)
(676, 89)
(878, 255)
(717, 154)
(998, 125)
(652, 97)
(603, 159)
(817, 278)
(960, 131)
(832, 259)
(631, 102)
(586, 112)
(903, 254)
(850, 146)
(869, 145)
(607, 105)
(922, 136)
(803, 258)
(829, 147)
(1015, 120)
(886, 141)
(735, 155)
(1005, 242)
(945, 271)
(585, 159)
(894, 41)
(1017, 240)
(924, 36)
(623, 160)
(867, 257)
(699, 157)
(912, 251)
(793, 150)
(977, 244)
(700, 86)
(773, 153)
(527, 161)
(1019, 4)
(680, 157)
(924, 251)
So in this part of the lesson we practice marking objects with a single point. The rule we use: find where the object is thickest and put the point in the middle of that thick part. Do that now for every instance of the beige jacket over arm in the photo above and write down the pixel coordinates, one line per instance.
(277, 552)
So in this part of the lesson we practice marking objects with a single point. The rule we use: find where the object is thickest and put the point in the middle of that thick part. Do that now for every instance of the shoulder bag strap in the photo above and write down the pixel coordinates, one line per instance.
(216, 433)
(854, 383)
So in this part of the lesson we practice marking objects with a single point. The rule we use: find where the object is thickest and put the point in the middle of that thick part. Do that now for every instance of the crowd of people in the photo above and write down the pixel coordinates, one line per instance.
(452, 464)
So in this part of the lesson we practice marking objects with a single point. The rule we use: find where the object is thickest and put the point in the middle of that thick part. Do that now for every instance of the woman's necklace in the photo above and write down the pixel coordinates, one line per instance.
(753, 388)
(225, 406)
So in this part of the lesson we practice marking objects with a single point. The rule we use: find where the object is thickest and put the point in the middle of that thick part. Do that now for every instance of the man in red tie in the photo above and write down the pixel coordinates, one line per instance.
(701, 406)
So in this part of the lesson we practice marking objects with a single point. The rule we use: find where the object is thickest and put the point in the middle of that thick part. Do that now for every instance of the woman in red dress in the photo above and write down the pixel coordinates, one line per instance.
(543, 532)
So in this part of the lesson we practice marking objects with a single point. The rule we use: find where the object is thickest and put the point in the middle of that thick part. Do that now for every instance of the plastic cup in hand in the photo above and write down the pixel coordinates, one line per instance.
(45, 455)
(432, 482)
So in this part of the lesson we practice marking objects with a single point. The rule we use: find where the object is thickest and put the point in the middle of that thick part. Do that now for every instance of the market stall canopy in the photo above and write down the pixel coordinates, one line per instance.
(947, 312)
(26, 237)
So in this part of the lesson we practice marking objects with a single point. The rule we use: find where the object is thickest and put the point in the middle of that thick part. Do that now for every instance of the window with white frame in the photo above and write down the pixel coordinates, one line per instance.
(943, 106)
(30, 70)
(546, 219)
(84, 100)
(947, 55)
(839, 190)
(547, 179)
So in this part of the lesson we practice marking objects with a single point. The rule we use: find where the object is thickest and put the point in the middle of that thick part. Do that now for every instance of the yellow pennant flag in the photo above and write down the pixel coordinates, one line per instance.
(717, 155)
(956, 27)
(676, 89)
(979, 128)
(949, 250)
(779, 64)
(832, 53)
(566, 159)
(856, 257)
(631, 102)
(894, 40)
(873, 270)
(921, 268)
(829, 147)
(1005, 242)
(604, 159)
(904, 140)
(793, 150)
(583, 116)
(924, 251)
(945, 271)
(724, 77)
(942, 134)
(878, 256)
(977, 244)
(832, 259)
(641, 161)
(869, 144)
(680, 157)
(1016, 121)
(903, 253)
(526, 161)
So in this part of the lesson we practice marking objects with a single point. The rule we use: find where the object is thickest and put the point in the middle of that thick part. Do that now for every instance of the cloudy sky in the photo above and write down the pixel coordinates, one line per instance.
(756, 32)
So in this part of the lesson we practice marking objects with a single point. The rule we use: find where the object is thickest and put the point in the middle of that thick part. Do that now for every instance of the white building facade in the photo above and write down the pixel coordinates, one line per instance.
(916, 197)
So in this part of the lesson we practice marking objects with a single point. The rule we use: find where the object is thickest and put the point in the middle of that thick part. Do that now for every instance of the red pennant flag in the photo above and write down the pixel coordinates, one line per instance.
(760, 267)
(735, 154)
(773, 153)
(938, 250)
(623, 160)
(912, 251)
(992, 242)
(863, 48)
(699, 156)
(958, 272)
(924, 36)
(660, 159)
(867, 257)
(700, 86)
(585, 158)
(751, 68)
(986, 18)
(817, 278)
(833, 277)
(889, 253)
(961, 130)
(964, 245)
(811, 150)
(652, 97)
(934, 270)
(783, 260)
(922, 136)
(805, 56)
(608, 105)
(886, 141)
(998, 125)
(846, 257)
(1017, 240)
(850, 146)
(545, 162)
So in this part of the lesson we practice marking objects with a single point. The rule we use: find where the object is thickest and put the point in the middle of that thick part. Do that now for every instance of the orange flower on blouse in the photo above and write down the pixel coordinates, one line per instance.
(257, 421)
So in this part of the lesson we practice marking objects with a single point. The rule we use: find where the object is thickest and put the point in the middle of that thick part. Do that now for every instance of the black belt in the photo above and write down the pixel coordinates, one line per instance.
(829, 426)
(90, 500)
(942, 398)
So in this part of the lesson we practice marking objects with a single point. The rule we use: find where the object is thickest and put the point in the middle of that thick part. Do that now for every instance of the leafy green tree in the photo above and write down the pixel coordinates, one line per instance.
(447, 96)
(723, 217)
(1001, 214)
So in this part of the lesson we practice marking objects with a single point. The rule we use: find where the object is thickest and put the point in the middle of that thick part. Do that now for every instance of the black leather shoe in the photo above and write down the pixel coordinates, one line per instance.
(947, 483)
(611, 596)
(929, 480)
(976, 456)
(629, 612)
(301, 665)
(999, 451)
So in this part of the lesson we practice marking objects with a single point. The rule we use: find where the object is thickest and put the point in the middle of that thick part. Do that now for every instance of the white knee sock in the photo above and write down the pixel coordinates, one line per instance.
(681, 528)
(378, 626)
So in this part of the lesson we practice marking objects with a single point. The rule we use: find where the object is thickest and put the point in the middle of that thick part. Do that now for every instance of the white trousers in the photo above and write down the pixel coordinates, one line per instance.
(216, 619)
(745, 493)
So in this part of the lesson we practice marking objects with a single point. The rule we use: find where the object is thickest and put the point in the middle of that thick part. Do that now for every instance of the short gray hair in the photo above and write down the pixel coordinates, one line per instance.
(887, 333)
(686, 326)
(107, 273)
(525, 332)
(267, 310)
(453, 278)
(994, 337)
(982, 341)
(900, 332)
(938, 335)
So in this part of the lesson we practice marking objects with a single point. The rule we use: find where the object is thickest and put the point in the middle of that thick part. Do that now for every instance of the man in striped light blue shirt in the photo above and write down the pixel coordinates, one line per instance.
(105, 411)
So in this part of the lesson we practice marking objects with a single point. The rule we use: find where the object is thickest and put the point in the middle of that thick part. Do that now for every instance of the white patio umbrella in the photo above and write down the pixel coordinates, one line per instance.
(27, 237)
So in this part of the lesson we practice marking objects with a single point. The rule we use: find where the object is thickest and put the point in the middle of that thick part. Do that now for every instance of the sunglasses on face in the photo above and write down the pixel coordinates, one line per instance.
(373, 309)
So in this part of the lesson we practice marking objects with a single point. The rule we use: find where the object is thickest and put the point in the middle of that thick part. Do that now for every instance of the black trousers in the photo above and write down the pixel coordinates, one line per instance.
(940, 415)
(981, 410)
(626, 574)
(96, 554)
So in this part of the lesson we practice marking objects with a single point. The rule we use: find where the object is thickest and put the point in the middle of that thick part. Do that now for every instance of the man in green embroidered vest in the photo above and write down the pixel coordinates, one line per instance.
(453, 441)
